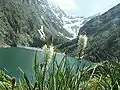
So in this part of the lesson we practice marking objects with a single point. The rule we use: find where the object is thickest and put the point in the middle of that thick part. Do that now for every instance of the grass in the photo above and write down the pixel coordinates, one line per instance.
(63, 76)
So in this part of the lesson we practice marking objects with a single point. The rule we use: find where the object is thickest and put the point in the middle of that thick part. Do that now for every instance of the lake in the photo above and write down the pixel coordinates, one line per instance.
(14, 57)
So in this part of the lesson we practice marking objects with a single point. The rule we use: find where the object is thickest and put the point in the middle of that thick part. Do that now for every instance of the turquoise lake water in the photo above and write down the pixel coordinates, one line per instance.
(14, 57)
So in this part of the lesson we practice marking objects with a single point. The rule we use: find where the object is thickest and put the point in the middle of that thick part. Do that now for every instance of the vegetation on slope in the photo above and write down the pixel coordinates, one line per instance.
(21, 21)
(99, 76)
(51, 75)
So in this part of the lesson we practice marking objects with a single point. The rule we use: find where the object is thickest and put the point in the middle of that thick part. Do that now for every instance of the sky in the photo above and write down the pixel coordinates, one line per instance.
(85, 7)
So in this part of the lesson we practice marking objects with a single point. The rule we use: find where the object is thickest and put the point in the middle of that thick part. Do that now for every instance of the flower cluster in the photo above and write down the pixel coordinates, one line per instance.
(48, 53)
(82, 43)
(83, 40)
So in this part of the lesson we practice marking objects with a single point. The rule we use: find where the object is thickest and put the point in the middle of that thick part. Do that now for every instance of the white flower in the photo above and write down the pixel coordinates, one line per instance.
(48, 53)
(83, 41)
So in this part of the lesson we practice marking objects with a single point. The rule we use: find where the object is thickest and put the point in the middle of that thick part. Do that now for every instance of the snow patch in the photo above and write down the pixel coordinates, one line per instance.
(42, 34)
(72, 25)
(55, 14)
(42, 17)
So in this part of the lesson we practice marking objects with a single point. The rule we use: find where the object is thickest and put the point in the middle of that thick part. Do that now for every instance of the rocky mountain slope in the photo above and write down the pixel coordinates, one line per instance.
(103, 32)
(30, 22)
(70, 23)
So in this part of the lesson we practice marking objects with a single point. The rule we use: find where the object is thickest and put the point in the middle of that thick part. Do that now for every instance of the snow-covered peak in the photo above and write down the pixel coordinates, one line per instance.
(62, 24)
(71, 24)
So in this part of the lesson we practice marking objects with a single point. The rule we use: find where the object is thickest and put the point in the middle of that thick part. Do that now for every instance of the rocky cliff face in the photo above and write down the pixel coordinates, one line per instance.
(71, 24)
(103, 32)
(30, 22)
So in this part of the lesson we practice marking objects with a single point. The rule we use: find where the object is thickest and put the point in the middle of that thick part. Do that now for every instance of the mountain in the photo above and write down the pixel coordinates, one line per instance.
(73, 24)
(70, 23)
(30, 22)
(103, 33)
